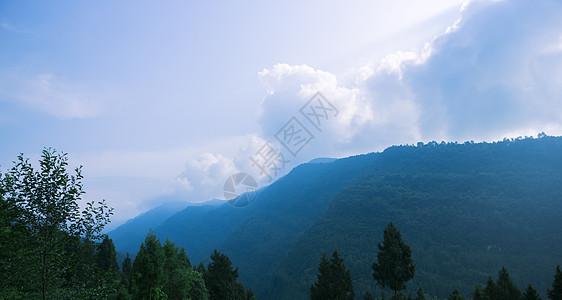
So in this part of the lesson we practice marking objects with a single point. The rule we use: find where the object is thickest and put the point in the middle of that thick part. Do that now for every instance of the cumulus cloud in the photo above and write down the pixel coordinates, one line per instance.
(51, 94)
(495, 72)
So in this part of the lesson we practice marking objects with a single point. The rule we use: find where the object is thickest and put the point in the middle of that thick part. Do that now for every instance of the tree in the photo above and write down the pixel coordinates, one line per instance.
(196, 286)
(479, 293)
(368, 296)
(220, 278)
(127, 267)
(42, 209)
(455, 295)
(394, 266)
(106, 256)
(420, 294)
(147, 273)
(506, 289)
(556, 292)
(531, 293)
(491, 290)
(334, 279)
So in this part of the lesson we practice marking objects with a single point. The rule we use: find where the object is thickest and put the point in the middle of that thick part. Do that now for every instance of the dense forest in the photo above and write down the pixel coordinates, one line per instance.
(50, 248)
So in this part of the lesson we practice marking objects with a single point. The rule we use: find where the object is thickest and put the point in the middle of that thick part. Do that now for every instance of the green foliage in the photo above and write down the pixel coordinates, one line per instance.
(505, 289)
(368, 296)
(394, 266)
(478, 293)
(531, 293)
(455, 295)
(220, 278)
(334, 280)
(556, 292)
(465, 210)
(41, 227)
(420, 294)
(162, 272)
(147, 273)
(107, 256)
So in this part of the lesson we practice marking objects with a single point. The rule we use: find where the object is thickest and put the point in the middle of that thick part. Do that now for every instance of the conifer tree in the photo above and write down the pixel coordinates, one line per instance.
(220, 278)
(334, 279)
(479, 293)
(394, 266)
(420, 294)
(455, 295)
(531, 293)
(506, 289)
(147, 273)
(556, 292)
(106, 256)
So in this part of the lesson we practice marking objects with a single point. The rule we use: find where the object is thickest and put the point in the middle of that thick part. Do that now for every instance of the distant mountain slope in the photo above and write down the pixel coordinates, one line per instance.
(130, 235)
(258, 236)
(466, 210)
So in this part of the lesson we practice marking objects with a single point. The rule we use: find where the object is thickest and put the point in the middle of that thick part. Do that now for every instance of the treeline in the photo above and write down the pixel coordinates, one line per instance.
(394, 267)
(52, 246)
(165, 272)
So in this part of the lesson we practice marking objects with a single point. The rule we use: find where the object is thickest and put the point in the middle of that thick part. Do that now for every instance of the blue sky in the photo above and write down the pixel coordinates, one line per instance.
(164, 102)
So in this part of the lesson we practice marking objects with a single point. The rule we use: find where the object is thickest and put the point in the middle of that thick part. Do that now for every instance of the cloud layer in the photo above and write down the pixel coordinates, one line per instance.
(495, 72)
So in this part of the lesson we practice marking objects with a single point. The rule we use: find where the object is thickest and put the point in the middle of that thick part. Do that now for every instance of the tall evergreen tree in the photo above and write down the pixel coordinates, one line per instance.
(334, 279)
(420, 294)
(106, 256)
(455, 295)
(147, 270)
(531, 293)
(127, 267)
(394, 266)
(506, 289)
(220, 278)
(479, 293)
(491, 290)
(556, 292)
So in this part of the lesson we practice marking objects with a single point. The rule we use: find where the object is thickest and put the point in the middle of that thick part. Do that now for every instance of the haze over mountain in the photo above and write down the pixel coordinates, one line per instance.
(465, 209)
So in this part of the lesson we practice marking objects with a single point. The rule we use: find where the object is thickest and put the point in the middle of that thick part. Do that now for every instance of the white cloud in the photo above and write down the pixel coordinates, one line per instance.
(51, 94)
(494, 73)
(486, 76)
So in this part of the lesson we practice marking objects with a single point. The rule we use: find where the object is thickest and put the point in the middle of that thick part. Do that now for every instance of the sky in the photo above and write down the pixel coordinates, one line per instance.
(164, 102)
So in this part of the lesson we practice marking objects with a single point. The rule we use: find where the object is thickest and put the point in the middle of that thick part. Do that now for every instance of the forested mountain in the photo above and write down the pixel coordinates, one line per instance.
(466, 210)
(131, 234)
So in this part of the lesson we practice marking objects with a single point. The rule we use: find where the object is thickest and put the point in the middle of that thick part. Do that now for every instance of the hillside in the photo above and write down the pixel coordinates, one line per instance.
(465, 209)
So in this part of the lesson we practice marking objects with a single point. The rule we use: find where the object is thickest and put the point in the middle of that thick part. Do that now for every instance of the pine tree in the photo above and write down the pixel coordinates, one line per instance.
(491, 291)
(556, 292)
(334, 279)
(455, 295)
(220, 278)
(395, 265)
(127, 267)
(420, 295)
(506, 289)
(106, 256)
(531, 293)
(147, 273)
(479, 293)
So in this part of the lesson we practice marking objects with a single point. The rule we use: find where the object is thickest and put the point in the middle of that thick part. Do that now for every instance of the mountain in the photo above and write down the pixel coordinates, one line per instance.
(465, 209)
(131, 234)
